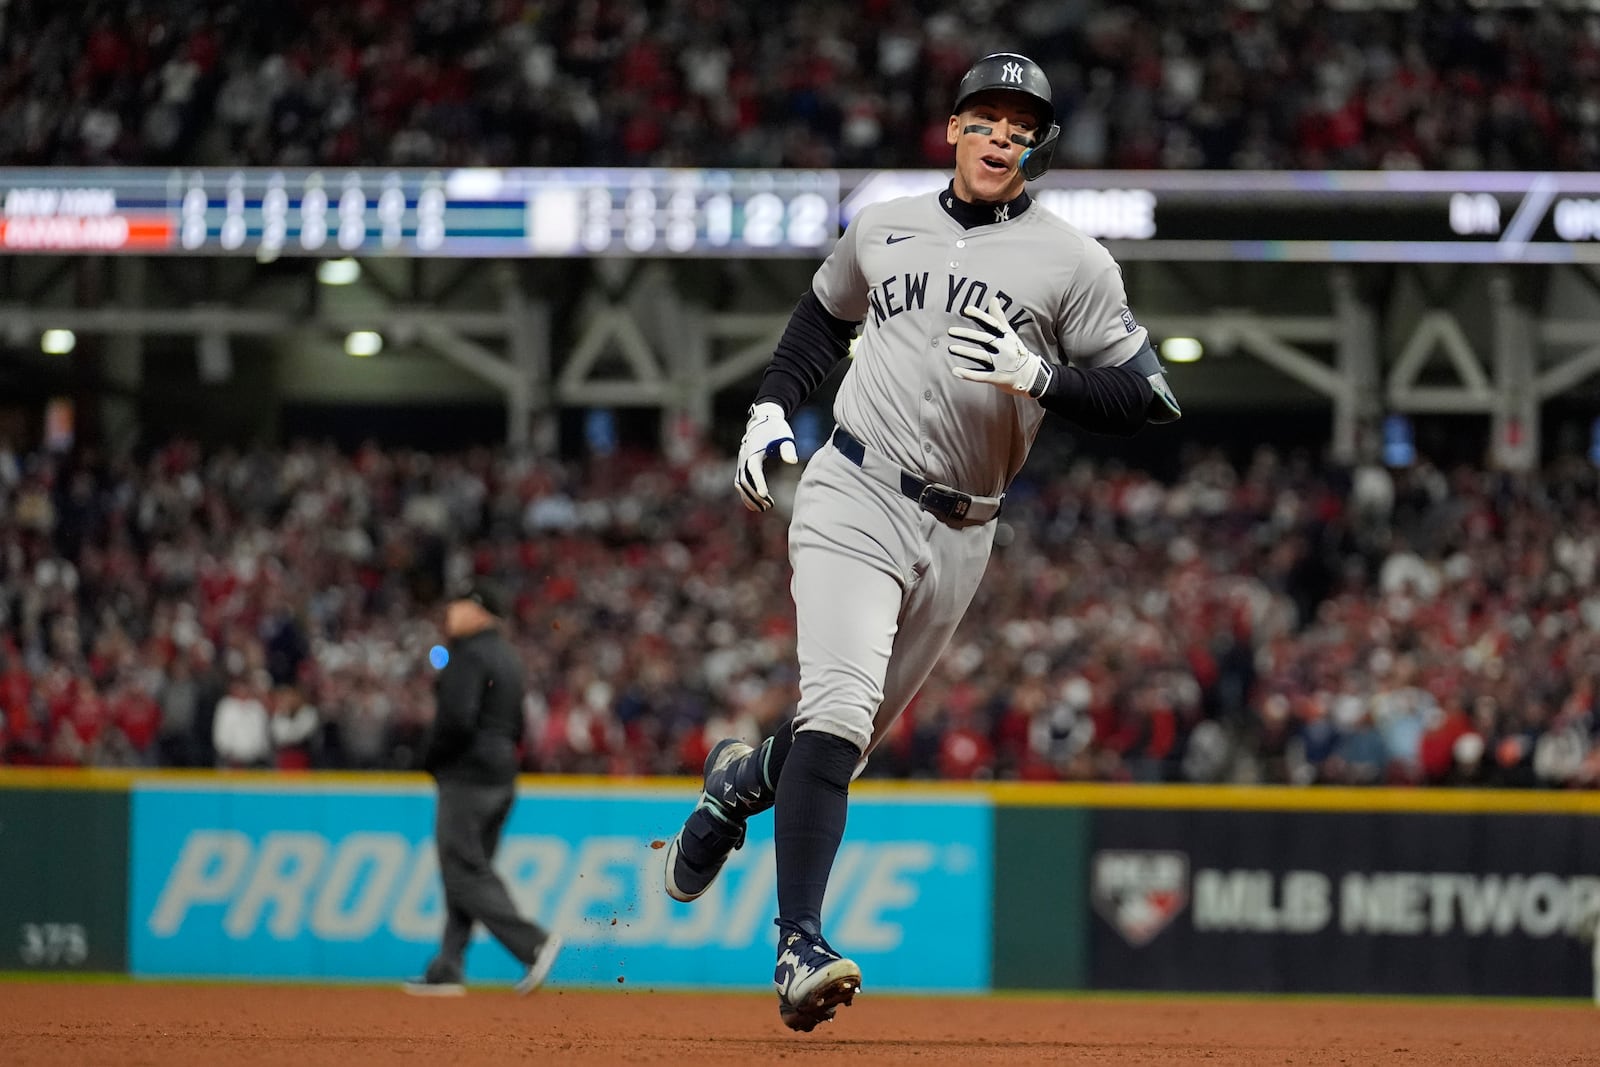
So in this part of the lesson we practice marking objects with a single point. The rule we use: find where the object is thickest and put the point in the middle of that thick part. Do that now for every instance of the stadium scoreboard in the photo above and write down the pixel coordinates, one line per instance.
(459, 213)
(1310, 216)
(1323, 216)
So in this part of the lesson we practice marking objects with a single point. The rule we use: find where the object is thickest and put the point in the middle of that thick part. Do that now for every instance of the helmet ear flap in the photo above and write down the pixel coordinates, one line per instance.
(1036, 160)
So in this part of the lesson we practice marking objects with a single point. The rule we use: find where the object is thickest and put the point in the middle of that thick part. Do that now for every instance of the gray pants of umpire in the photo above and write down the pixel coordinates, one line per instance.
(467, 831)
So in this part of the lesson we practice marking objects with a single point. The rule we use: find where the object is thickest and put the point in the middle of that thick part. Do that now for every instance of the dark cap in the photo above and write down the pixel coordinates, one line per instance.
(1012, 73)
(486, 593)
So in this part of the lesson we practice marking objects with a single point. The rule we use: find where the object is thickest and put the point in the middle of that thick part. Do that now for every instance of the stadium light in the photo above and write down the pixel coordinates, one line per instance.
(363, 343)
(57, 342)
(1181, 349)
(344, 271)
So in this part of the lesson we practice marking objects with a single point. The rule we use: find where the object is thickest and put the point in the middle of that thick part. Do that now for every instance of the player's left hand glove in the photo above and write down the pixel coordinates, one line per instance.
(766, 434)
(1002, 359)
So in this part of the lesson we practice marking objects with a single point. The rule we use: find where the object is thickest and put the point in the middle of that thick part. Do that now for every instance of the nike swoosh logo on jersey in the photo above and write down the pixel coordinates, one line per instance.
(893, 240)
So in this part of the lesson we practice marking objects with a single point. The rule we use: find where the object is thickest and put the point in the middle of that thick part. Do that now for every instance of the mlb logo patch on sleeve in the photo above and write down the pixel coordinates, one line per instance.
(1127, 321)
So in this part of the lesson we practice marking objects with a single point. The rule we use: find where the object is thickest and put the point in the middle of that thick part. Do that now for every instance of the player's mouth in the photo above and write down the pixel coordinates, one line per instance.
(996, 163)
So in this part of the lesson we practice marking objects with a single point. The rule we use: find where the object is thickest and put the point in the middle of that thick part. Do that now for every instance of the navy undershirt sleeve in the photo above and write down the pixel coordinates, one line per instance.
(811, 346)
(1108, 400)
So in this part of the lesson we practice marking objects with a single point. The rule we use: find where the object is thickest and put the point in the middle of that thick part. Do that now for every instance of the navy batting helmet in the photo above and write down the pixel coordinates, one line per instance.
(1010, 72)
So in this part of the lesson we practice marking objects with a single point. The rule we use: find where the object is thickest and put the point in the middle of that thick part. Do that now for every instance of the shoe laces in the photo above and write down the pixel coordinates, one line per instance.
(814, 941)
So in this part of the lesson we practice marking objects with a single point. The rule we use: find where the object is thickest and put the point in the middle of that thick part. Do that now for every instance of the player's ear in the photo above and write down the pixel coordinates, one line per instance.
(952, 132)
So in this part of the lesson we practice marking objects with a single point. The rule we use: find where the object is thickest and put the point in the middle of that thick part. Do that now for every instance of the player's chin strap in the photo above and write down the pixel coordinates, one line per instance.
(1163, 404)
(1036, 160)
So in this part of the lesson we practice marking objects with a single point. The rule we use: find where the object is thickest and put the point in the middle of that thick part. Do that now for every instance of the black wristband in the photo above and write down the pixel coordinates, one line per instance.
(1041, 381)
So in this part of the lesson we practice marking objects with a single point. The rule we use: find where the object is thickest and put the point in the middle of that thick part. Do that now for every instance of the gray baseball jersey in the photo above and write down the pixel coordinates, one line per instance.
(880, 584)
(906, 268)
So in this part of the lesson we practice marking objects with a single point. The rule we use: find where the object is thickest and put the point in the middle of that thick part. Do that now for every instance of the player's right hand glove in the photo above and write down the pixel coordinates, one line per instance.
(766, 434)
(1003, 361)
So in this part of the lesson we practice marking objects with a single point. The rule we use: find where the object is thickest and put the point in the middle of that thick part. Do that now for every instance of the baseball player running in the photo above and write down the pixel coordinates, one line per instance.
(979, 312)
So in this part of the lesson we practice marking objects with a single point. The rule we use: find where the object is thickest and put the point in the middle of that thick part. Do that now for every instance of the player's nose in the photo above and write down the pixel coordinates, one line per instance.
(1001, 134)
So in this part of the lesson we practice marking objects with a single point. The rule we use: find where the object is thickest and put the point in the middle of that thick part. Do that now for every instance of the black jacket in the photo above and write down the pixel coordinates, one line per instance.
(477, 722)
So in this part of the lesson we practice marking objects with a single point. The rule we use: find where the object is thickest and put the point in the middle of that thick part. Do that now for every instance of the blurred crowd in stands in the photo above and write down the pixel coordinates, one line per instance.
(796, 83)
(1275, 621)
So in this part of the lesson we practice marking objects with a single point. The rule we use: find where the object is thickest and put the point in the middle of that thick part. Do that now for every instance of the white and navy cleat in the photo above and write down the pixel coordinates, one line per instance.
(696, 854)
(812, 980)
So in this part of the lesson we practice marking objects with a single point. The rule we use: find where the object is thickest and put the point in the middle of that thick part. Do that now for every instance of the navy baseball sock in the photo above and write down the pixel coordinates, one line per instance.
(813, 800)
(755, 775)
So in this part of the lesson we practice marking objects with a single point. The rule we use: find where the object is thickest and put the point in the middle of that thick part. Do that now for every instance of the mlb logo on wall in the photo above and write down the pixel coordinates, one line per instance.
(1139, 893)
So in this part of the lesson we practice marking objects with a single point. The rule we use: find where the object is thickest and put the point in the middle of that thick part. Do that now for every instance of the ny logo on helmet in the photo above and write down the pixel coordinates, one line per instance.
(1011, 72)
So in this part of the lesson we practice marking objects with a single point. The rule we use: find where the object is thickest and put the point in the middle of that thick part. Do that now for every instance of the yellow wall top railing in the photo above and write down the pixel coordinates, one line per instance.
(1009, 794)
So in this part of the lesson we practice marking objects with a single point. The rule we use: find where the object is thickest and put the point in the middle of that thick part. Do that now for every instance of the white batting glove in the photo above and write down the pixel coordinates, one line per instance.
(766, 434)
(1003, 360)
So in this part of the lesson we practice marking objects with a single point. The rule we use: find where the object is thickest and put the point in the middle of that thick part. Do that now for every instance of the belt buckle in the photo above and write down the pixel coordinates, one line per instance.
(947, 502)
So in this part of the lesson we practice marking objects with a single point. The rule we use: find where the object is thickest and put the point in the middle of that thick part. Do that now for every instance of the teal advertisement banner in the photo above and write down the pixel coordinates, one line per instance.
(342, 882)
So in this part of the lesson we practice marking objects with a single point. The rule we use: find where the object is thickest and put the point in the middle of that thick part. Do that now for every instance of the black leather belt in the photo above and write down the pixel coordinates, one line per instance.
(949, 504)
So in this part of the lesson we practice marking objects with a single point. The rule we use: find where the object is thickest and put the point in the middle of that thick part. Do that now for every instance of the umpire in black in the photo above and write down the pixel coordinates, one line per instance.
(472, 755)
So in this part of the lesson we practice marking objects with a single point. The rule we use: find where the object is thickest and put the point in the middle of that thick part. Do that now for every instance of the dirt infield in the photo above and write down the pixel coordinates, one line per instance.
(51, 1024)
